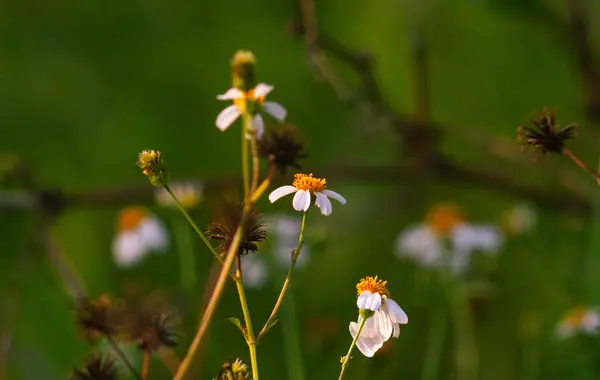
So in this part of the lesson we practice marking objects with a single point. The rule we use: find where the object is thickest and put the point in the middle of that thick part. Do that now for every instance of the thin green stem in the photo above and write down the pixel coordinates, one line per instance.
(251, 340)
(117, 349)
(193, 224)
(263, 186)
(255, 164)
(346, 358)
(214, 300)
(435, 344)
(288, 278)
(246, 125)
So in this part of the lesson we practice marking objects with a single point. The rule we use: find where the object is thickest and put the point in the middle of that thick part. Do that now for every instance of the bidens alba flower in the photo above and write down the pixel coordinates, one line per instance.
(446, 240)
(304, 186)
(578, 319)
(252, 102)
(383, 314)
(139, 233)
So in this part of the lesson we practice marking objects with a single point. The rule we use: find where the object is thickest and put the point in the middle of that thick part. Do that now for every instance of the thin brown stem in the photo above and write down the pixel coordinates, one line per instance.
(119, 352)
(214, 300)
(581, 164)
(146, 365)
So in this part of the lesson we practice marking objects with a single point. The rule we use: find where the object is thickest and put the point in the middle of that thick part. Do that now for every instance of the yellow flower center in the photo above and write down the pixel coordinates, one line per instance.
(442, 218)
(308, 182)
(248, 97)
(575, 316)
(131, 217)
(373, 285)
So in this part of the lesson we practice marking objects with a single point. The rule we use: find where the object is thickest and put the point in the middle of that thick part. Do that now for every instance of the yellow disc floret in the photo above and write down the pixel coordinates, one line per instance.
(443, 217)
(574, 318)
(131, 217)
(308, 182)
(373, 285)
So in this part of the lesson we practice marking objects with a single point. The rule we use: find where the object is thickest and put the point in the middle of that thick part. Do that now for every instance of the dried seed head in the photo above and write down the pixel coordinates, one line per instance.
(545, 136)
(224, 228)
(151, 163)
(282, 147)
(97, 318)
(97, 369)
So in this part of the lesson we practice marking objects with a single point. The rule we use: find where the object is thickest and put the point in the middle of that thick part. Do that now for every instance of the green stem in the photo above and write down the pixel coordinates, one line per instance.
(466, 355)
(117, 349)
(187, 264)
(435, 344)
(291, 338)
(346, 358)
(246, 125)
(214, 300)
(193, 224)
(251, 340)
(288, 278)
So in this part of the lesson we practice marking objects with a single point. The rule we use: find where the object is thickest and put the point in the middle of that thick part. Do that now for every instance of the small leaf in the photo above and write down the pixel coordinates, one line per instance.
(238, 323)
(272, 323)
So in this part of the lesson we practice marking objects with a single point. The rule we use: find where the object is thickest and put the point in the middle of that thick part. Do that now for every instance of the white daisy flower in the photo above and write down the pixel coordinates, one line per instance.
(445, 240)
(140, 233)
(189, 194)
(385, 320)
(255, 271)
(304, 186)
(253, 100)
(579, 319)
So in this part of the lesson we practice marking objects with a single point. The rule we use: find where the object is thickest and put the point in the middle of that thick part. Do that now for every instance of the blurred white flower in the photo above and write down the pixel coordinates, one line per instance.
(520, 219)
(254, 271)
(285, 231)
(241, 100)
(385, 318)
(580, 319)
(139, 233)
(189, 194)
(305, 186)
(445, 240)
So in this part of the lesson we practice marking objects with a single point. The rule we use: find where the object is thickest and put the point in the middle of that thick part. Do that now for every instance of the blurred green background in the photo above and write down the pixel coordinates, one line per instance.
(84, 86)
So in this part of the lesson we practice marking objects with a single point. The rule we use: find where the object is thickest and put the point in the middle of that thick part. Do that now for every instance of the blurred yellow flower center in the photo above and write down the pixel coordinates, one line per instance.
(444, 217)
(575, 316)
(131, 217)
(308, 182)
(248, 97)
(373, 285)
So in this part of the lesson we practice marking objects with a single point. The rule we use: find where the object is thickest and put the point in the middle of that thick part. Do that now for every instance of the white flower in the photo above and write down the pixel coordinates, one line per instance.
(189, 194)
(446, 241)
(305, 186)
(579, 319)
(140, 233)
(256, 96)
(286, 231)
(254, 271)
(385, 321)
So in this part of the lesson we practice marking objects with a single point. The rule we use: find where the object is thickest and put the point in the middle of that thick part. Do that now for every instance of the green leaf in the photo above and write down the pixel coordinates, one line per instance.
(238, 323)
(271, 323)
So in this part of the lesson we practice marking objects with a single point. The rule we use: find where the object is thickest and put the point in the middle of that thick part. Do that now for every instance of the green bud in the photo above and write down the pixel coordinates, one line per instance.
(242, 67)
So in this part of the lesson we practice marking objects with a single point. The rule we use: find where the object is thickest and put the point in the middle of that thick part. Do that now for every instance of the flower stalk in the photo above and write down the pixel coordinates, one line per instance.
(346, 359)
(288, 278)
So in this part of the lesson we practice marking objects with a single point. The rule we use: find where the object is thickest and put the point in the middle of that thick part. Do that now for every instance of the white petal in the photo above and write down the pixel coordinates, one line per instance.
(368, 300)
(231, 94)
(421, 244)
(280, 192)
(154, 234)
(369, 340)
(254, 270)
(262, 89)
(397, 315)
(335, 196)
(128, 248)
(591, 321)
(323, 203)
(301, 200)
(276, 110)
(396, 332)
(481, 237)
(381, 322)
(227, 117)
(259, 126)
